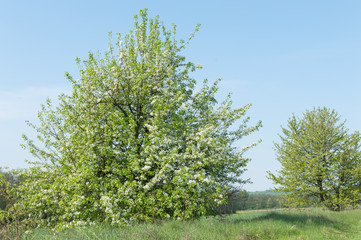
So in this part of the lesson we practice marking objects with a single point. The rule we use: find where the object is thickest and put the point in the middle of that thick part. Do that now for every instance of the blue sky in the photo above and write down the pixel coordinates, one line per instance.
(282, 56)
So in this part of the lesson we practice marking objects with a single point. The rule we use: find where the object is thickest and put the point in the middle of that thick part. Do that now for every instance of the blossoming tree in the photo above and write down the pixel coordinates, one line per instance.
(134, 141)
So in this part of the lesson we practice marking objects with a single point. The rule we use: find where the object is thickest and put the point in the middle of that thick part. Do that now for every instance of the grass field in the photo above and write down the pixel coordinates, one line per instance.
(287, 224)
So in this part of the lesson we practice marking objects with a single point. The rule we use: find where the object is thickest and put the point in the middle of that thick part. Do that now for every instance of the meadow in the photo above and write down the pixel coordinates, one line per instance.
(286, 224)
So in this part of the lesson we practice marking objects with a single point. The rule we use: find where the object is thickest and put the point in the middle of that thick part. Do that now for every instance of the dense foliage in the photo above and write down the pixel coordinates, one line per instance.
(134, 141)
(321, 161)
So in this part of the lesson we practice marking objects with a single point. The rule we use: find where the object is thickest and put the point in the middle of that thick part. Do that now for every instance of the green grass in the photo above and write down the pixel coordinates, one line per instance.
(295, 224)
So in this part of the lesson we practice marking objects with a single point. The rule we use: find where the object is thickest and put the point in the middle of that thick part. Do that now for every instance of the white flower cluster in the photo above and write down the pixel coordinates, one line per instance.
(146, 168)
(106, 202)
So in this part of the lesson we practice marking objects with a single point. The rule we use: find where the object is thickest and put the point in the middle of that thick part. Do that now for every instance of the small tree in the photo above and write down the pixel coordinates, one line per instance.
(321, 162)
(12, 220)
(134, 142)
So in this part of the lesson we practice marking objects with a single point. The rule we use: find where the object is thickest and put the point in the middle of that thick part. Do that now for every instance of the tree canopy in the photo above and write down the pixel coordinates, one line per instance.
(134, 141)
(321, 161)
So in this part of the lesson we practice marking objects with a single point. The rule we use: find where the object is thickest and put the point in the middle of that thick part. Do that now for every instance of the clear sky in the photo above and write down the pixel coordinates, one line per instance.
(282, 56)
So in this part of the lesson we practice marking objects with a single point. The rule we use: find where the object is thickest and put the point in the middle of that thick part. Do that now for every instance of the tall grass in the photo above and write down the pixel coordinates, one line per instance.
(295, 224)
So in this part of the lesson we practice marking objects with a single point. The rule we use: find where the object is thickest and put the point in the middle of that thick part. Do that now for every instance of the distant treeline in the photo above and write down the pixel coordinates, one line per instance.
(243, 200)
